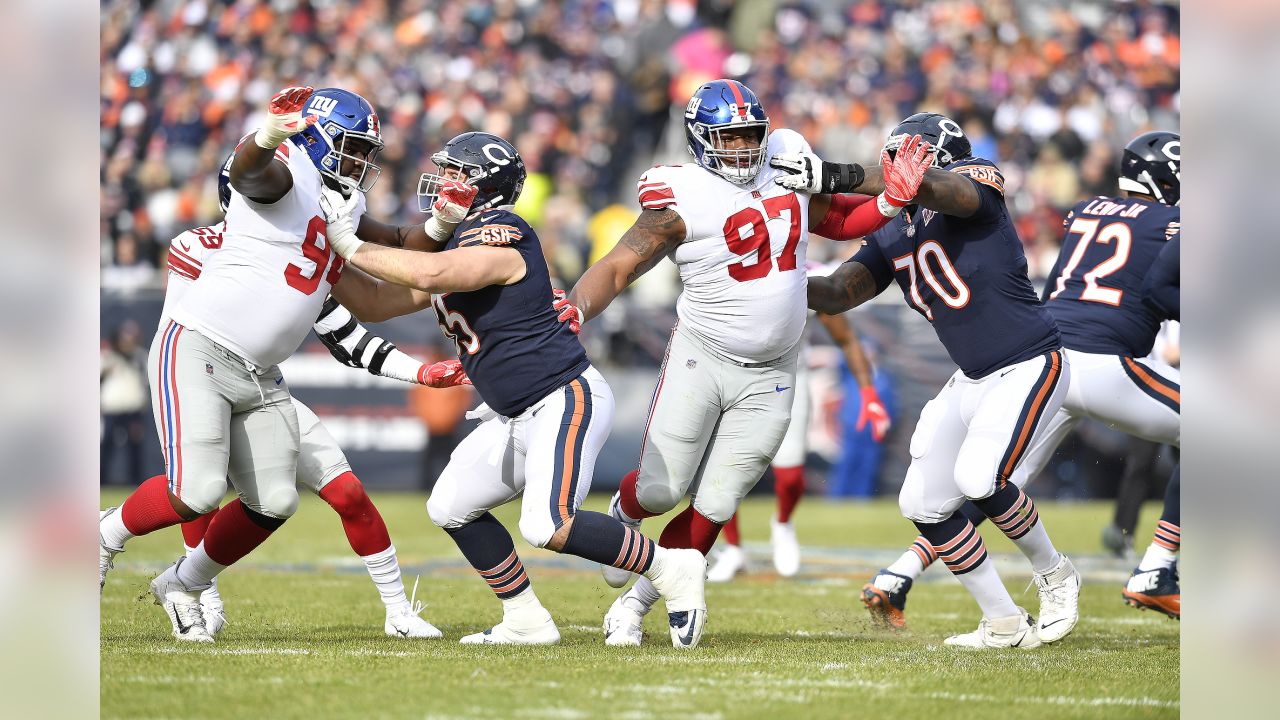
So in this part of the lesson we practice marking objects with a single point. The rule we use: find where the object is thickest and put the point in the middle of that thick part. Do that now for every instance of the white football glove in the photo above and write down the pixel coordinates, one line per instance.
(804, 168)
(341, 233)
(284, 117)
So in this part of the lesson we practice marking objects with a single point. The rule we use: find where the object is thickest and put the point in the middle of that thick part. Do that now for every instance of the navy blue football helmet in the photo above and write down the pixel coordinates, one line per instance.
(224, 184)
(726, 106)
(941, 132)
(347, 129)
(490, 163)
(1152, 165)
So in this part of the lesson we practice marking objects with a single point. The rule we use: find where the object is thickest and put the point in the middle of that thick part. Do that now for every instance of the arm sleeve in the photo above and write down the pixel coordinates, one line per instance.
(850, 217)
(1161, 290)
(872, 259)
(337, 325)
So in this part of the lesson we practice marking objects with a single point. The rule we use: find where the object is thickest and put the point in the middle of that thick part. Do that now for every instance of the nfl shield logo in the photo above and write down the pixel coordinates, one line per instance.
(208, 367)
(691, 363)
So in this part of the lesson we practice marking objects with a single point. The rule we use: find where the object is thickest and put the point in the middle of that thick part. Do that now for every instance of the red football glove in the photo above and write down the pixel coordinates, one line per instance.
(454, 201)
(873, 411)
(903, 174)
(568, 311)
(444, 374)
(284, 117)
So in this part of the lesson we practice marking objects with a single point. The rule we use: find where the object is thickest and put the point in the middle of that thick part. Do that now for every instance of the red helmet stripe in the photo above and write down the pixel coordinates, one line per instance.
(737, 98)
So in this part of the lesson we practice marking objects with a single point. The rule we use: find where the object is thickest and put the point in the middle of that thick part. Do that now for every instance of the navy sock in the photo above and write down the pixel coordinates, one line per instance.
(488, 547)
(956, 541)
(1010, 510)
(1173, 498)
(601, 538)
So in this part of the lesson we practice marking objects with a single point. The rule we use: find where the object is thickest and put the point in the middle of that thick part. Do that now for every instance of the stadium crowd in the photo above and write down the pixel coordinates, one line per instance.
(589, 92)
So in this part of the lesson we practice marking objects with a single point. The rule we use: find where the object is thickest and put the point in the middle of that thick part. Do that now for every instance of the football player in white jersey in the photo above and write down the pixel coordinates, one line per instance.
(788, 463)
(322, 467)
(216, 384)
(724, 394)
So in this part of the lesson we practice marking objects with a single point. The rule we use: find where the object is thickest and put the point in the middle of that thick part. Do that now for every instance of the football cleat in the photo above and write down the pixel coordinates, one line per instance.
(181, 604)
(623, 627)
(529, 626)
(886, 598)
(405, 620)
(730, 561)
(215, 618)
(1014, 631)
(681, 580)
(1059, 600)
(786, 548)
(617, 577)
(106, 555)
(1155, 590)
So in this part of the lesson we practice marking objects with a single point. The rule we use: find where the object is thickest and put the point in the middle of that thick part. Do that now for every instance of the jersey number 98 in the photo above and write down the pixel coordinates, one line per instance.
(315, 247)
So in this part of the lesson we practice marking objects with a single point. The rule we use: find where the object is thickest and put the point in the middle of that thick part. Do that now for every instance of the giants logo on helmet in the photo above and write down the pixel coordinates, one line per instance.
(323, 106)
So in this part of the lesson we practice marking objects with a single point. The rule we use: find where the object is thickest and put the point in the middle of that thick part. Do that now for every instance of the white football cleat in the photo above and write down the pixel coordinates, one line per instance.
(106, 555)
(623, 627)
(786, 548)
(730, 561)
(681, 580)
(405, 622)
(617, 577)
(529, 626)
(215, 618)
(181, 604)
(1059, 601)
(1014, 631)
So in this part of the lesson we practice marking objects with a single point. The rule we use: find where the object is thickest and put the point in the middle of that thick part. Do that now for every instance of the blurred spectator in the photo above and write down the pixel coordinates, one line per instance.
(586, 89)
(854, 474)
(124, 399)
(441, 411)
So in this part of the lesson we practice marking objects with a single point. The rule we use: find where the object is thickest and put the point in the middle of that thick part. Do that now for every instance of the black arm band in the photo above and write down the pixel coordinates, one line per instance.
(842, 177)
(380, 356)
(358, 353)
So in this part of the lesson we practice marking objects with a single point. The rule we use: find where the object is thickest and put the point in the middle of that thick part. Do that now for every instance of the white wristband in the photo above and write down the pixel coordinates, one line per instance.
(438, 229)
(345, 244)
(268, 140)
(886, 208)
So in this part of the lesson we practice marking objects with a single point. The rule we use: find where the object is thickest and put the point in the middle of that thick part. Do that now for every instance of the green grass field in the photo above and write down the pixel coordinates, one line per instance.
(305, 634)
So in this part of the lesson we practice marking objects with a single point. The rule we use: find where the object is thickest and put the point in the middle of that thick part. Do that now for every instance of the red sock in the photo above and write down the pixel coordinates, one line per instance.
(690, 529)
(361, 521)
(148, 509)
(788, 485)
(731, 535)
(627, 498)
(234, 533)
(194, 530)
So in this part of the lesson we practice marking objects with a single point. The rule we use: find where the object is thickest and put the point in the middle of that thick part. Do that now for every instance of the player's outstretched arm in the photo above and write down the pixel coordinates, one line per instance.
(453, 203)
(253, 174)
(354, 345)
(457, 270)
(654, 235)
(371, 300)
(848, 287)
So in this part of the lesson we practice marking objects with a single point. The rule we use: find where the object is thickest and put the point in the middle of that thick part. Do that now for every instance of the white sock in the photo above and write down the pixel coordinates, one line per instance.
(198, 570)
(189, 549)
(1157, 557)
(908, 565)
(1038, 548)
(114, 533)
(641, 597)
(384, 570)
(521, 602)
(983, 583)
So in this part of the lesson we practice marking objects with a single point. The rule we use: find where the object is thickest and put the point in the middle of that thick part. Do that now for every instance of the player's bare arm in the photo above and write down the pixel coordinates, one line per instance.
(372, 300)
(847, 340)
(848, 287)
(458, 270)
(410, 237)
(254, 173)
(654, 235)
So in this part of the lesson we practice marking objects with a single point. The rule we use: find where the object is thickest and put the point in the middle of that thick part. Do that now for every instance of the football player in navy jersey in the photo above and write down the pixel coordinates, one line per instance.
(1097, 292)
(959, 261)
(548, 411)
